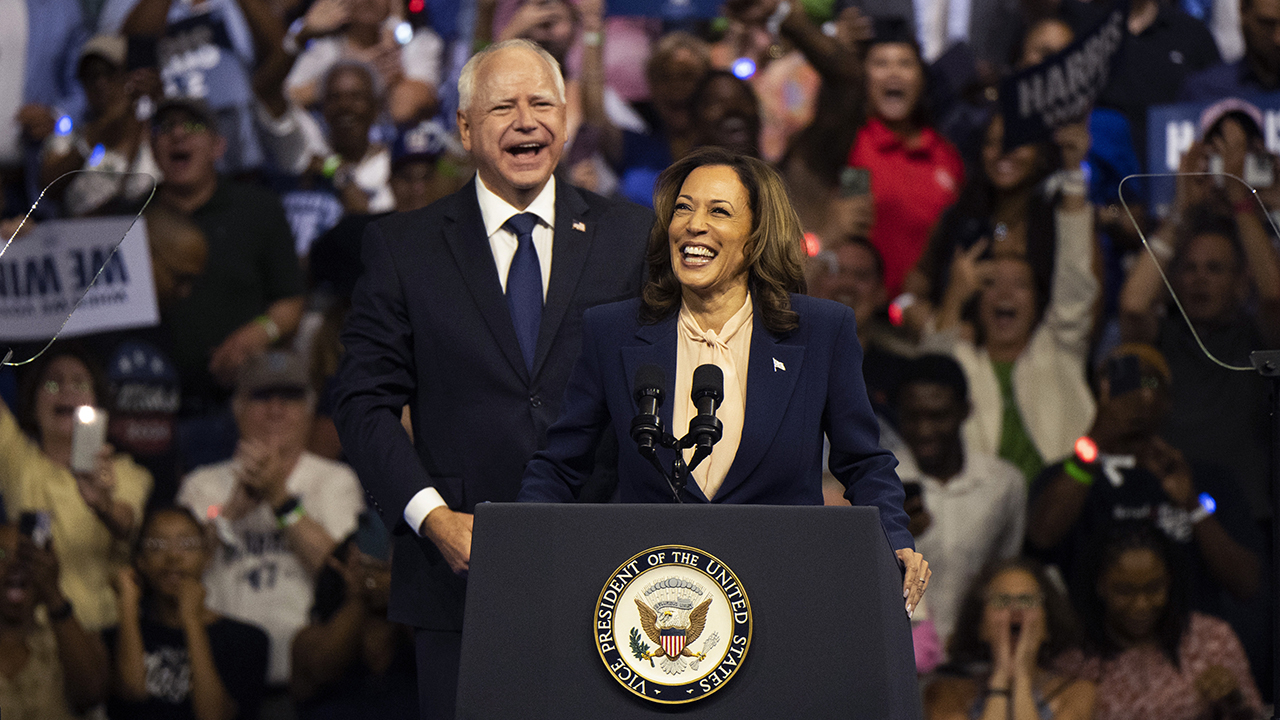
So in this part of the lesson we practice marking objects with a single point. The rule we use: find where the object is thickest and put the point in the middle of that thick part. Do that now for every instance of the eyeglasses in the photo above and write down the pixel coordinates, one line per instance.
(1005, 601)
(283, 393)
(184, 544)
(192, 127)
(53, 387)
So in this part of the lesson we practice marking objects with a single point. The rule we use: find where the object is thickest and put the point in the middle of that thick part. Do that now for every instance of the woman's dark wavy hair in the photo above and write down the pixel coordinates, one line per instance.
(33, 380)
(969, 220)
(1136, 535)
(1062, 628)
(774, 251)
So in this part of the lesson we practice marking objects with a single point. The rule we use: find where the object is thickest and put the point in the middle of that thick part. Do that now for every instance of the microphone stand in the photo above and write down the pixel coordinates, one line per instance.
(1267, 363)
(680, 471)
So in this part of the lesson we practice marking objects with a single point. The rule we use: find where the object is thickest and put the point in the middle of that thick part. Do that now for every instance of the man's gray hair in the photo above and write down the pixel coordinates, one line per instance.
(467, 80)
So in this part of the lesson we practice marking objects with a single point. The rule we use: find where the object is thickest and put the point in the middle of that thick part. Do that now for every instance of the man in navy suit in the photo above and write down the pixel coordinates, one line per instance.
(470, 313)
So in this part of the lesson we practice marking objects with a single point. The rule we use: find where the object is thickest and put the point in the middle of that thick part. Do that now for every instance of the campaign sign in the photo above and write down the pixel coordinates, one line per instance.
(1170, 131)
(1061, 90)
(44, 273)
(666, 9)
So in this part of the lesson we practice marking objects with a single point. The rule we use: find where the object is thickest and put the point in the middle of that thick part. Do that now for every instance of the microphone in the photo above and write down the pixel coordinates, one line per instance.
(705, 429)
(646, 427)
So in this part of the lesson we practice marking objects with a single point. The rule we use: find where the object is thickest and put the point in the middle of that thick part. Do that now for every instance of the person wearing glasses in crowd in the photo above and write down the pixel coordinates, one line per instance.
(89, 512)
(172, 655)
(1013, 625)
(251, 292)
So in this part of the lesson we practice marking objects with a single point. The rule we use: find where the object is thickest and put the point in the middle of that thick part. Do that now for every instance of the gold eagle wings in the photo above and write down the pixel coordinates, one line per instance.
(697, 621)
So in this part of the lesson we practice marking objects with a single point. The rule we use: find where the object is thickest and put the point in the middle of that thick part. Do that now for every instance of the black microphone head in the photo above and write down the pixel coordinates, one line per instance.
(650, 379)
(708, 381)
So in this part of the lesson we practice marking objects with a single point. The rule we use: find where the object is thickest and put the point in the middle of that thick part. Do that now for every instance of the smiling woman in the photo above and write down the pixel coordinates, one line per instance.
(725, 266)
(89, 512)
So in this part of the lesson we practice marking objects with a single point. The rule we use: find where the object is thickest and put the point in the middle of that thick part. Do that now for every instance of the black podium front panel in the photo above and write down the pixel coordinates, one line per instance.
(830, 638)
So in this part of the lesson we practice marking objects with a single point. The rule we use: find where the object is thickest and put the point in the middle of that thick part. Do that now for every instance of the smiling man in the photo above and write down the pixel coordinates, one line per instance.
(470, 313)
(250, 294)
(971, 506)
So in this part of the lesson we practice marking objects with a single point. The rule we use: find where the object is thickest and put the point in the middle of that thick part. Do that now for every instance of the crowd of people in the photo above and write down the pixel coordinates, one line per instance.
(1091, 490)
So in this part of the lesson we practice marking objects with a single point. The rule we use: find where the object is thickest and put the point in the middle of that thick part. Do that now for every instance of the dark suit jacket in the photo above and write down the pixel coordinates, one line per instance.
(799, 386)
(429, 327)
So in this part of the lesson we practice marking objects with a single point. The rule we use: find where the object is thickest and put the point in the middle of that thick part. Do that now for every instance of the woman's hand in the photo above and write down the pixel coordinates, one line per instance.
(97, 487)
(43, 564)
(191, 595)
(1031, 636)
(917, 577)
(129, 591)
(1000, 640)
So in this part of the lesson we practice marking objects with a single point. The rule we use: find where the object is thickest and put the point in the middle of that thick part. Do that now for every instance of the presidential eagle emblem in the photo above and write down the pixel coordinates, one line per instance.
(673, 622)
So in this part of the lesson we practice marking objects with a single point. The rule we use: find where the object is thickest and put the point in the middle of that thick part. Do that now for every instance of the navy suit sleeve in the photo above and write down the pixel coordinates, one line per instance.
(557, 473)
(857, 460)
(375, 381)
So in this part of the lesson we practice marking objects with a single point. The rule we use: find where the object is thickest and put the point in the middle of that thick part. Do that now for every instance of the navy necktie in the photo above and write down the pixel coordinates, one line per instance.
(524, 286)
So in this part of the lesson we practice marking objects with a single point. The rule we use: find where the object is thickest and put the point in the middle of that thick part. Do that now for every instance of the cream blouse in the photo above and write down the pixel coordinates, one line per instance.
(730, 349)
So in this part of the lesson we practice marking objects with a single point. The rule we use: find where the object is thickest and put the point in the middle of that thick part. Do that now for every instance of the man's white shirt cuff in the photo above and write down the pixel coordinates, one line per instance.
(420, 506)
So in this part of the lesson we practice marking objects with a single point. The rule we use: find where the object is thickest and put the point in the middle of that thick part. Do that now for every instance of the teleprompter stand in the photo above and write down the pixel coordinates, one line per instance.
(1267, 363)
(830, 638)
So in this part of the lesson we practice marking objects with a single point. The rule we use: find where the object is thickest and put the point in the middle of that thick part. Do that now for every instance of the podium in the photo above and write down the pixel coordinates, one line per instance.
(828, 634)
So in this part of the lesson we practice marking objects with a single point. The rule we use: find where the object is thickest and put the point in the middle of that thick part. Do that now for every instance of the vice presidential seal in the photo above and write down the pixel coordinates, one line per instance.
(673, 624)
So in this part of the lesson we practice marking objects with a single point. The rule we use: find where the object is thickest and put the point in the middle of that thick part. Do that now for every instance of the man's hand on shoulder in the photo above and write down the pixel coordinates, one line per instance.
(451, 532)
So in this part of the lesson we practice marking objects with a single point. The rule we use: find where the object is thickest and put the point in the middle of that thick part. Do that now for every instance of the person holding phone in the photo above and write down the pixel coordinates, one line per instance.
(90, 511)
(50, 667)
(1122, 469)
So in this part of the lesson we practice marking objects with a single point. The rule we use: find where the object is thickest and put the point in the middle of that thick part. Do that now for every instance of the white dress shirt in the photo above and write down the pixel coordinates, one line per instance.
(495, 212)
(978, 517)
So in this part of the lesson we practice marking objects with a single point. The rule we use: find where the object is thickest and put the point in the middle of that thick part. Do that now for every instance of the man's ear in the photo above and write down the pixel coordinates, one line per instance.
(968, 408)
(464, 131)
(219, 147)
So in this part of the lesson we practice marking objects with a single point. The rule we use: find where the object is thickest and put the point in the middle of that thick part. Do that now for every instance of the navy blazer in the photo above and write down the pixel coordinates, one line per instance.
(800, 386)
(429, 328)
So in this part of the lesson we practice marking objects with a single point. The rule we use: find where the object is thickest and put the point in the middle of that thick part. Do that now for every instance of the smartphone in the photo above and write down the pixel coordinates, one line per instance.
(37, 525)
(1124, 374)
(854, 181)
(913, 490)
(1259, 170)
(87, 436)
(372, 538)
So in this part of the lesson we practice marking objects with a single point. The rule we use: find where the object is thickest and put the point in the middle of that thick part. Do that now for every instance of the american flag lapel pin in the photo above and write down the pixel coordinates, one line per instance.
(579, 226)
(777, 365)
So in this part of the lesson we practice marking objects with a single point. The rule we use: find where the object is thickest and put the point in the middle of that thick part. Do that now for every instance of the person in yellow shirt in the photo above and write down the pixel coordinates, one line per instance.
(93, 515)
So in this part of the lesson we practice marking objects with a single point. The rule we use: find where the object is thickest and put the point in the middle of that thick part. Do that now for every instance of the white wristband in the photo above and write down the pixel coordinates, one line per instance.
(779, 16)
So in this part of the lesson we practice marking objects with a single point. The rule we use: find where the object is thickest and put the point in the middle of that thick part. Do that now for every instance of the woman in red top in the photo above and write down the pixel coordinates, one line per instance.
(915, 173)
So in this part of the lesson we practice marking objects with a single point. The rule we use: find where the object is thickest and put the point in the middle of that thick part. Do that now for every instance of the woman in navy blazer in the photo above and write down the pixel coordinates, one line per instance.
(726, 232)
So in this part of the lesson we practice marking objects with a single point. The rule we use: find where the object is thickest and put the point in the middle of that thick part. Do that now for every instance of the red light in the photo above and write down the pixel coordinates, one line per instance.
(1086, 449)
(812, 244)
(895, 314)
(416, 6)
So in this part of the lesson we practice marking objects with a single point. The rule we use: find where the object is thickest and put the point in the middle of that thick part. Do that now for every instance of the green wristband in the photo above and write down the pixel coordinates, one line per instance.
(1079, 474)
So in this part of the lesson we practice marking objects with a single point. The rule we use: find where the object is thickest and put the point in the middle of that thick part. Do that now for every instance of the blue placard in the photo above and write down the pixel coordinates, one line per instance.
(1172, 128)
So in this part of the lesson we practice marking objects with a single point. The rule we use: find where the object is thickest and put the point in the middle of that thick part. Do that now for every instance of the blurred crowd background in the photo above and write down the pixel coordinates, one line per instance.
(1091, 489)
